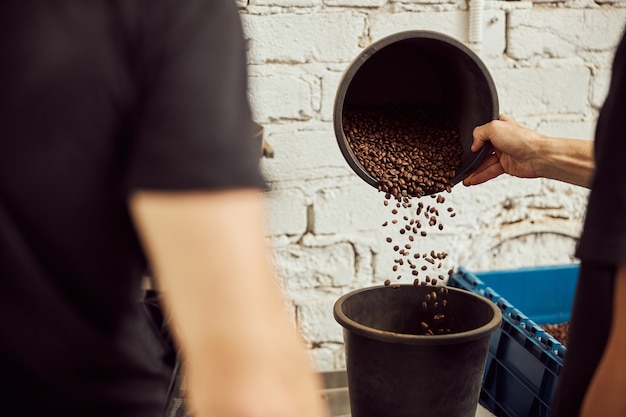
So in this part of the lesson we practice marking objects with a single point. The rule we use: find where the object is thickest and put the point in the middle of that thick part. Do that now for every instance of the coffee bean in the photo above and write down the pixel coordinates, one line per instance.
(389, 240)
(387, 282)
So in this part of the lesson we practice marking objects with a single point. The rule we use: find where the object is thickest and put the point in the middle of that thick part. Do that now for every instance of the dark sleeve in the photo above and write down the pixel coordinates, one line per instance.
(193, 127)
(604, 234)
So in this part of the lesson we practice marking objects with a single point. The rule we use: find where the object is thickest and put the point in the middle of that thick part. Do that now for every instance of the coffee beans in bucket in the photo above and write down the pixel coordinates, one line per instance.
(411, 153)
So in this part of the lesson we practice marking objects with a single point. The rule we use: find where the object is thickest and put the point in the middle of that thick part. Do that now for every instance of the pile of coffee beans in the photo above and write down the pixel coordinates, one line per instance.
(409, 151)
(559, 331)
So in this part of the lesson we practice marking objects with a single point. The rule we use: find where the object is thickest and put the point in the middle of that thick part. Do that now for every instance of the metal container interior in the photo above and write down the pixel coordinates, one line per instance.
(423, 69)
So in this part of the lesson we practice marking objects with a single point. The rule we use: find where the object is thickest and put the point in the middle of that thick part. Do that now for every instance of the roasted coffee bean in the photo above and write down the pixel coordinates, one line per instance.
(424, 306)
(387, 282)
(560, 331)
(424, 325)
(389, 240)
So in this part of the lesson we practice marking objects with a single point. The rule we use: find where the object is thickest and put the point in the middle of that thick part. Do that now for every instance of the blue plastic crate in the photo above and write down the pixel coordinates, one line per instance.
(524, 361)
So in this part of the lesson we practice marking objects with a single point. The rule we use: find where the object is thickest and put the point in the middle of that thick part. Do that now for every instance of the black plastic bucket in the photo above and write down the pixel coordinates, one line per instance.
(395, 372)
(421, 69)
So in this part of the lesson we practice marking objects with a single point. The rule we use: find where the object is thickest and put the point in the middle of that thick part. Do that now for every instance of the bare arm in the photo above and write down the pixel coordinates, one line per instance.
(606, 394)
(242, 355)
(525, 153)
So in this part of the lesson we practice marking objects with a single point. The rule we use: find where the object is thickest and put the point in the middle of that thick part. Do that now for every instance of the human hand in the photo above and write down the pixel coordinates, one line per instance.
(515, 150)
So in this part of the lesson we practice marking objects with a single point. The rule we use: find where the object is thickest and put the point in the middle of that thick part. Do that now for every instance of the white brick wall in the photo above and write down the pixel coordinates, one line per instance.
(551, 63)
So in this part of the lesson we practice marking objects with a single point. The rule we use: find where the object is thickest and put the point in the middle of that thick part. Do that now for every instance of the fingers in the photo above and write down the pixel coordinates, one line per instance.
(480, 137)
(490, 168)
(484, 133)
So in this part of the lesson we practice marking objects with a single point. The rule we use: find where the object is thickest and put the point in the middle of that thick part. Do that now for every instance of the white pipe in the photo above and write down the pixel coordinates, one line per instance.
(476, 25)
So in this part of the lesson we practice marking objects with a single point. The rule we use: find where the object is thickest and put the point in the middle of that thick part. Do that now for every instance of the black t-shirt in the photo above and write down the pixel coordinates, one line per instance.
(602, 247)
(99, 98)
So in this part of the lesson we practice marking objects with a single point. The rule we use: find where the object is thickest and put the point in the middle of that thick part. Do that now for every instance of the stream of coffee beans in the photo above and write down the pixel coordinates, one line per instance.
(411, 153)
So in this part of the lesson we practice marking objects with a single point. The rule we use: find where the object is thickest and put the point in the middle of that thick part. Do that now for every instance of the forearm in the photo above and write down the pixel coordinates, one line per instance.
(241, 353)
(605, 396)
(564, 159)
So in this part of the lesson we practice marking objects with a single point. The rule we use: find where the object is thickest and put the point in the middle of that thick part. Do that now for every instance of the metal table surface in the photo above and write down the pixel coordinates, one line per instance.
(335, 393)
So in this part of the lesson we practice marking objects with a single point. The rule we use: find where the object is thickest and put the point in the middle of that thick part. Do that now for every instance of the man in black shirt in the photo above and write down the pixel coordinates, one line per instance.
(593, 380)
(126, 144)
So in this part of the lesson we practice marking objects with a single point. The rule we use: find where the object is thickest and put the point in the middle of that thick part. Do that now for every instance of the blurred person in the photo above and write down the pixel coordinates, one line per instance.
(126, 145)
(592, 382)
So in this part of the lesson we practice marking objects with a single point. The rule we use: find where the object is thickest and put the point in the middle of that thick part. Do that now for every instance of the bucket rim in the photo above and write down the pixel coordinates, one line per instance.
(368, 52)
(412, 339)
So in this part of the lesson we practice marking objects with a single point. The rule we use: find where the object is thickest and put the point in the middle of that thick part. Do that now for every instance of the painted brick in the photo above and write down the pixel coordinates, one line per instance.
(304, 155)
(282, 96)
(563, 32)
(311, 37)
(313, 267)
(286, 211)
(600, 86)
(579, 129)
(286, 3)
(451, 23)
(330, 84)
(349, 209)
(356, 3)
(541, 90)
(316, 321)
